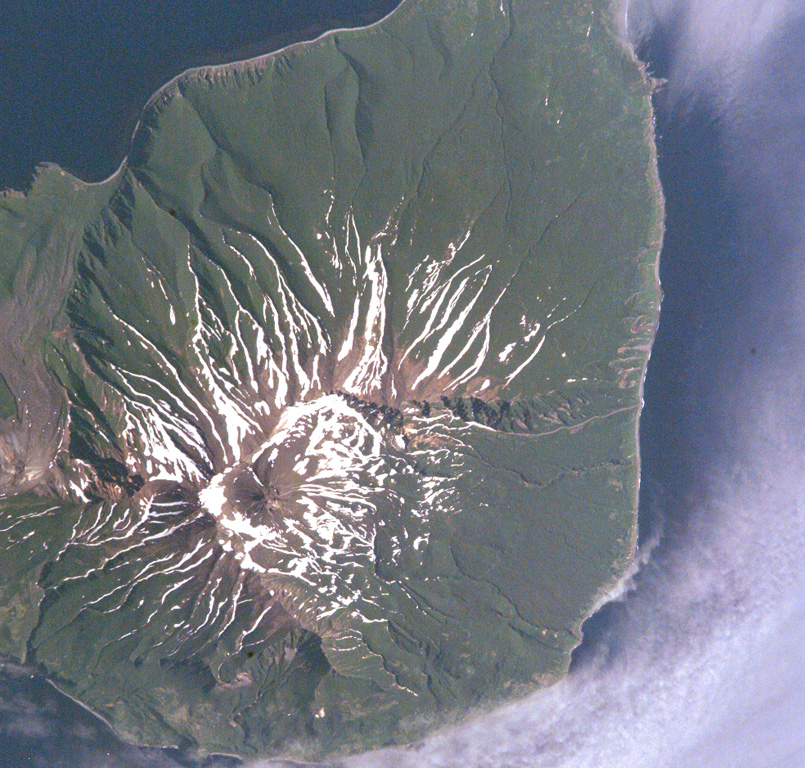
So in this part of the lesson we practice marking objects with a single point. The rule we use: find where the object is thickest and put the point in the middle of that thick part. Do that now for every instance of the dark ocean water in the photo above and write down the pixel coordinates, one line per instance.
(700, 665)
(74, 74)
(680, 432)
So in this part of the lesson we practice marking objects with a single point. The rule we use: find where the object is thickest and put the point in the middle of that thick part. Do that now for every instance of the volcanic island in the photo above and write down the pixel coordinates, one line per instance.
(318, 419)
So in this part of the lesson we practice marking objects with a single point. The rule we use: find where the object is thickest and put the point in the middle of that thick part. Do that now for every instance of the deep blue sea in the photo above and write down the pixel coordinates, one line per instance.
(700, 663)
(74, 76)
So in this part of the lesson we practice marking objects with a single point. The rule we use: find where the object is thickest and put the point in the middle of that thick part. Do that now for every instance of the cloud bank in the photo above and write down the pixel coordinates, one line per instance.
(699, 664)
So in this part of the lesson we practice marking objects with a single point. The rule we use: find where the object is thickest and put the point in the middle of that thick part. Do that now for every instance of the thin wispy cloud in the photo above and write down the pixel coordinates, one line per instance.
(700, 664)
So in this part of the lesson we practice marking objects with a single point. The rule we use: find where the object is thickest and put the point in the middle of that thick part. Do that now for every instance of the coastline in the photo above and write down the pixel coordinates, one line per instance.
(279, 34)
(619, 587)
(256, 65)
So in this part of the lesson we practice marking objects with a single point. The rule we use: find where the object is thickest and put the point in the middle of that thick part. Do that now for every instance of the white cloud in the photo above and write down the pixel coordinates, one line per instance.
(703, 664)
(719, 40)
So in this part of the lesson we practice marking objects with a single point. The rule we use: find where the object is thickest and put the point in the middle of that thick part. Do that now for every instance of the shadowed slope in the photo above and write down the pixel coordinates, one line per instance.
(347, 362)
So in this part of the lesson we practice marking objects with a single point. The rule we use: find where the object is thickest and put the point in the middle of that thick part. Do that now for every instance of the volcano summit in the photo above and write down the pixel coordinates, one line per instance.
(320, 415)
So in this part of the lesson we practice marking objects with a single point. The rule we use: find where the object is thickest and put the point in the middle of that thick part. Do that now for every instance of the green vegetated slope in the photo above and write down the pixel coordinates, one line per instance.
(323, 424)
